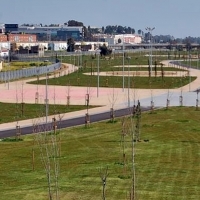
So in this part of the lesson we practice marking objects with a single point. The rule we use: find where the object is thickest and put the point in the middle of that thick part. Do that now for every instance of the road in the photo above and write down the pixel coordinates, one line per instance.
(69, 122)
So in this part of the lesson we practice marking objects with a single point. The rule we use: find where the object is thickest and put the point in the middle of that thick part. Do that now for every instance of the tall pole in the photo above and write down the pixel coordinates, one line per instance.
(150, 41)
(128, 82)
(98, 75)
(8, 65)
(123, 63)
(46, 92)
(189, 70)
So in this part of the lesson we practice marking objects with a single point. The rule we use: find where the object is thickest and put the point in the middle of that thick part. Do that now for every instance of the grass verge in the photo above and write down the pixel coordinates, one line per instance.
(167, 166)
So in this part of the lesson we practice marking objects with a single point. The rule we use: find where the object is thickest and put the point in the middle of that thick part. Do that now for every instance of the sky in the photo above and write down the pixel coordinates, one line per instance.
(179, 18)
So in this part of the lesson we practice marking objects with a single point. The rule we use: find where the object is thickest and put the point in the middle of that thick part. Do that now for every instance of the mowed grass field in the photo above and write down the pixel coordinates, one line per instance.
(11, 112)
(88, 64)
(167, 167)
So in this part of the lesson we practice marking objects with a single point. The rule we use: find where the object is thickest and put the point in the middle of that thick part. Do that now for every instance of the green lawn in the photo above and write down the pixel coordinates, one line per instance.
(13, 112)
(89, 65)
(79, 79)
(167, 166)
(194, 64)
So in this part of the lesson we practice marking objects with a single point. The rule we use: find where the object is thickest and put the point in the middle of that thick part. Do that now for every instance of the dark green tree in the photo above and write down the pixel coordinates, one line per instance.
(120, 29)
(74, 23)
(71, 44)
(119, 41)
(139, 32)
(104, 51)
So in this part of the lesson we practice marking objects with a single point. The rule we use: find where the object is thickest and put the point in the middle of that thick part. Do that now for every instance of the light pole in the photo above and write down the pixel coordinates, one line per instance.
(128, 58)
(189, 70)
(98, 75)
(46, 93)
(123, 62)
(8, 65)
(150, 42)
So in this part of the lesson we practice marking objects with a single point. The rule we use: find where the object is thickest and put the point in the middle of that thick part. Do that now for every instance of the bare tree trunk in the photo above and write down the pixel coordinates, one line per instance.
(134, 130)
(103, 176)
(149, 69)
(155, 68)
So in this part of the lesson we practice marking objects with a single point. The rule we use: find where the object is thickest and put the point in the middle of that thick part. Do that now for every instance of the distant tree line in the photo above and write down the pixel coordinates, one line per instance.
(90, 32)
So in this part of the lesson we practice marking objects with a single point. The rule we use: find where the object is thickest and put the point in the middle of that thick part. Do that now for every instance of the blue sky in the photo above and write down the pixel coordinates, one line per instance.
(179, 18)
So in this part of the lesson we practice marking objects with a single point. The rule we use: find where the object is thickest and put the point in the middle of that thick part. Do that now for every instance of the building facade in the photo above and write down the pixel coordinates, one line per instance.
(48, 33)
(18, 38)
(3, 38)
(22, 38)
(123, 39)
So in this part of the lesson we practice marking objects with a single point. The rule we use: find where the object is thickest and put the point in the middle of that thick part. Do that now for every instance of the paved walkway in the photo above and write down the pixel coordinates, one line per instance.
(106, 97)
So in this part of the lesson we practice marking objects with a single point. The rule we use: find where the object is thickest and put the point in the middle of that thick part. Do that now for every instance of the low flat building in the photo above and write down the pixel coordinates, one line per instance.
(89, 46)
(22, 38)
(57, 46)
(123, 39)
(3, 38)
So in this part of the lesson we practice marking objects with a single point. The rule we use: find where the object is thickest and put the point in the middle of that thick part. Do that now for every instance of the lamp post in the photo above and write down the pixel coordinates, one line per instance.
(123, 62)
(98, 75)
(8, 66)
(150, 41)
(128, 58)
(46, 93)
(189, 70)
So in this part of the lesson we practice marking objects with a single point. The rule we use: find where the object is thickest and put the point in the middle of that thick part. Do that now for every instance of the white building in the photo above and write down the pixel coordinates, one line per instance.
(94, 45)
(4, 45)
(123, 38)
(4, 49)
(4, 53)
(30, 44)
(57, 46)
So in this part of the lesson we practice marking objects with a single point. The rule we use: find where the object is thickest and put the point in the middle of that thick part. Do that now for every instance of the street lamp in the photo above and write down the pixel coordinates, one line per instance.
(8, 66)
(128, 58)
(98, 75)
(150, 41)
(46, 93)
(123, 62)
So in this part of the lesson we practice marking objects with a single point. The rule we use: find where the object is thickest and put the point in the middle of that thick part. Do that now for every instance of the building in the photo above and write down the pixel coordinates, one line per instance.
(4, 45)
(57, 45)
(39, 49)
(22, 38)
(123, 39)
(3, 38)
(15, 46)
(48, 33)
(70, 32)
(89, 46)
(10, 27)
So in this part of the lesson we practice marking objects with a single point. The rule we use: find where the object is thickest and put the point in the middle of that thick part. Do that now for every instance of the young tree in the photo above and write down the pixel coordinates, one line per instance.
(138, 122)
(103, 176)
(149, 69)
(155, 68)
(162, 71)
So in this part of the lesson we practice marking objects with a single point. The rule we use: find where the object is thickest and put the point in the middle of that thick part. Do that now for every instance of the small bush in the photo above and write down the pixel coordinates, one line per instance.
(32, 64)
(11, 140)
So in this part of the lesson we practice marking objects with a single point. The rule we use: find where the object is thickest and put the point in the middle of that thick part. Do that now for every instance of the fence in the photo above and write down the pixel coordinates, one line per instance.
(28, 72)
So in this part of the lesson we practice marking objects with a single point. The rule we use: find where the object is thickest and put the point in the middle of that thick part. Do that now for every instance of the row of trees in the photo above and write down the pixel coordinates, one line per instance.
(118, 29)
(89, 33)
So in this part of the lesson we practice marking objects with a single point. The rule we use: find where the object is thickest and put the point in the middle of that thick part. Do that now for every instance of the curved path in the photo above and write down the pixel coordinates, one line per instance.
(106, 97)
